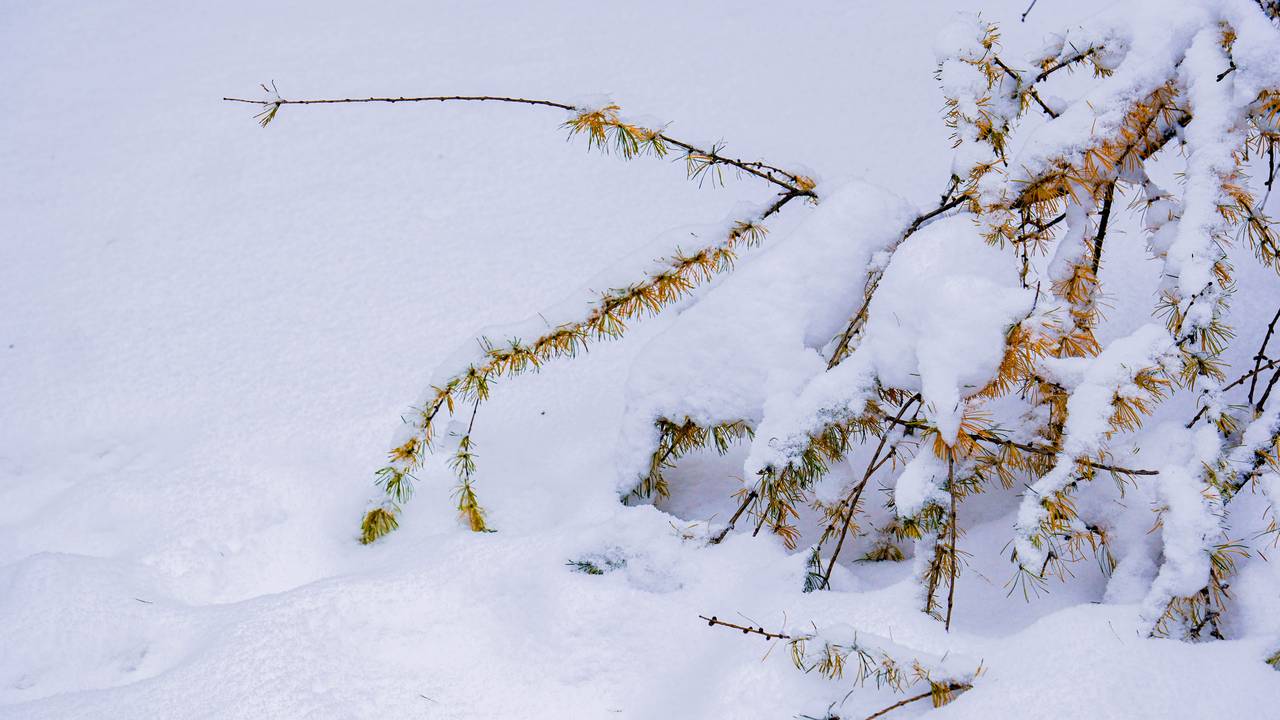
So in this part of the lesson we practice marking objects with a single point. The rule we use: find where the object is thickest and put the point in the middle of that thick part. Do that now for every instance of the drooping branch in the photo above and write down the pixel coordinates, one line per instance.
(788, 181)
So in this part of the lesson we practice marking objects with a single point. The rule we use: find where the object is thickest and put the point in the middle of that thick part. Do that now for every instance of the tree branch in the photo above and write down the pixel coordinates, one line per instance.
(1262, 354)
(1031, 89)
(842, 345)
(950, 688)
(1102, 226)
(994, 440)
(1064, 64)
(733, 520)
(791, 182)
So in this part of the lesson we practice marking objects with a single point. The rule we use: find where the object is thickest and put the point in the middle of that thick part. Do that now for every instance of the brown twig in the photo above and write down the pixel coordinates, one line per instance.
(950, 688)
(1087, 463)
(842, 345)
(1102, 226)
(951, 587)
(432, 98)
(791, 182)
(746, 629)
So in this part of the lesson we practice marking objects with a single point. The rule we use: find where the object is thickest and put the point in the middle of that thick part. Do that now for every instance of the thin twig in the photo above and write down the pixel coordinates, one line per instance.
(432, 98)
(842, 345)
(950, 688)
(994, 440)
(1262, 401)
(921, 220)
(1102, 226)
(1262, 354)
(1031, 90)
(746, 630)
(474, 409)
(1064, 64)
(788, 181)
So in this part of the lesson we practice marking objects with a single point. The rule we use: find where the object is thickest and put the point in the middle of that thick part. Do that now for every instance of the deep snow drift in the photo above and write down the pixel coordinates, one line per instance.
(208, 331)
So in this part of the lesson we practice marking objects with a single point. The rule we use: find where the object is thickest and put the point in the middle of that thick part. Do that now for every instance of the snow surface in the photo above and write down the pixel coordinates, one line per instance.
(208, 331)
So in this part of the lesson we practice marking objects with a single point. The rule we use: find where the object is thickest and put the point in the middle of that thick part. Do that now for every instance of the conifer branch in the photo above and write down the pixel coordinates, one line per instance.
(1252, 373)
(932, 692)
(951, 583)
(1018, 198)
(607, 117)
(856, 494)
(676, 439)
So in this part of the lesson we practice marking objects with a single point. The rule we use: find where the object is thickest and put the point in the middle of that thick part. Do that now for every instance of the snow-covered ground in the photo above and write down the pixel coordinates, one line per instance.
(208, 332)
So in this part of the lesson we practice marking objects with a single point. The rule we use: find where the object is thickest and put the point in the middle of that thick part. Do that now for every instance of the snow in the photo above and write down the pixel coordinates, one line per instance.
(1094, 383)
(208, 330)
(1191, 520)
(758, 335)
(936, 324)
